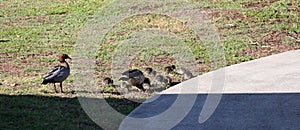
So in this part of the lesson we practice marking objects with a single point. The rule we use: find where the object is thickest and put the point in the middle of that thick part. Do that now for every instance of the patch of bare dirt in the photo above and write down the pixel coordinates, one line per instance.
(267, 43)
(259, 4)
(14, 64)
(227, 14)
(272, 43)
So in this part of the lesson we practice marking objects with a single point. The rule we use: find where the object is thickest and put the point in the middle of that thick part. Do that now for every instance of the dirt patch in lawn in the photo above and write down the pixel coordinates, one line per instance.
(259, 4)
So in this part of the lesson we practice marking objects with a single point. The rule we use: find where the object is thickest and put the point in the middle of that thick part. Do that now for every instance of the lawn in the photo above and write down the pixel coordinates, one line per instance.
(33, 33)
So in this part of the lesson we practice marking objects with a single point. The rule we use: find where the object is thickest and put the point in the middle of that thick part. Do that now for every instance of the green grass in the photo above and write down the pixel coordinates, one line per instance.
(33, 33)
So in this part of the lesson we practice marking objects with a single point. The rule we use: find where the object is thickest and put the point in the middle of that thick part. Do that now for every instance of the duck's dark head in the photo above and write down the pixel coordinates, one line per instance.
(63, 57)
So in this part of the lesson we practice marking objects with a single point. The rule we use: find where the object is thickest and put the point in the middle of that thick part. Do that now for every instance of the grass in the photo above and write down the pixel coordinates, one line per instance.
(33, 33)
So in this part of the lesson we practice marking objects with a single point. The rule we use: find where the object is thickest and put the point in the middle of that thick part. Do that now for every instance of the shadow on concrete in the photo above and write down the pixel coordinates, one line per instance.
(235, 111)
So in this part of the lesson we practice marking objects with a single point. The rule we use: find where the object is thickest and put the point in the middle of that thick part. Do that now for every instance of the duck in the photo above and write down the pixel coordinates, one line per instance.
(170, 69)
(135, 77)
(58, 73)
(150, 72)
(147, 84)
(168, 80)
(182, 71)
(186, 74)
(159, 78)
(107, 81)
(163, 80)
(124, 86)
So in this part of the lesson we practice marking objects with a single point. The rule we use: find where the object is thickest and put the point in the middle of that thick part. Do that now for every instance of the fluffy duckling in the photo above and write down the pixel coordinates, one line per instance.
(146, 85)
(182, 71)
(58, 73)
(169, 69)
(159, 79)
(150, 72)
(107, 81)
(134, 77)
(186, 74)
(163, 80)
(168, 80)
(124, 86)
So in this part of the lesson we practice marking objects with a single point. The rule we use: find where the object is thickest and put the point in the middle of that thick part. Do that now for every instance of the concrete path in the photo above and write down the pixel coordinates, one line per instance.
(260, 94)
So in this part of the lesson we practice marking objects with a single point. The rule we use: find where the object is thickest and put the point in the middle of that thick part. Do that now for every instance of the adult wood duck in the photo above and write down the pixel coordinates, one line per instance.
(58, 73)
(135, 77)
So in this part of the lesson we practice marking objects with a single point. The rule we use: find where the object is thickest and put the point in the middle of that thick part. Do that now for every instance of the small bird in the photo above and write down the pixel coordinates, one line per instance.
(168, 80)
(169, 69)
(163, 80)
(146, 85)
(150, 72)
(186, 74)
(134, 77)
(182, 71)
(58, 73)
(107, 81)
(124, 86)
(159, 78)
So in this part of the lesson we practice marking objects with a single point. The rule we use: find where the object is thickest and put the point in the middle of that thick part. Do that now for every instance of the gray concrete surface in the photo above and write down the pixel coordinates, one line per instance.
(260, 94)
(274, 74)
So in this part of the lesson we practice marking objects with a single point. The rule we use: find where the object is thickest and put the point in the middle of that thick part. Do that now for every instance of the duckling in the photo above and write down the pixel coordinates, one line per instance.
(168, 80)
(134, 77)
(58, 73)
(159, 78)
(182, 71)
(146, 85)
(150, 72)
(186, 74)
(163, 80)
(108, 81)
(169, 69)
(124, 86)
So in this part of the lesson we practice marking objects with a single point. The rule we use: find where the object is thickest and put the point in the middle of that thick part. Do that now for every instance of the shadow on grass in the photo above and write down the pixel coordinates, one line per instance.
(3, 40)
(42, 112)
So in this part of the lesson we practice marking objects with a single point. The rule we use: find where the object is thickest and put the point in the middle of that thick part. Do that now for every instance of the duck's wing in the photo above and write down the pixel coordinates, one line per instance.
(132, 73)
(57, 73)
(53, 71)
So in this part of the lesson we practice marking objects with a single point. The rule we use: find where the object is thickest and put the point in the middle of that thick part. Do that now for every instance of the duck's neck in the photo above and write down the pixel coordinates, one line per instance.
(64, 63)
